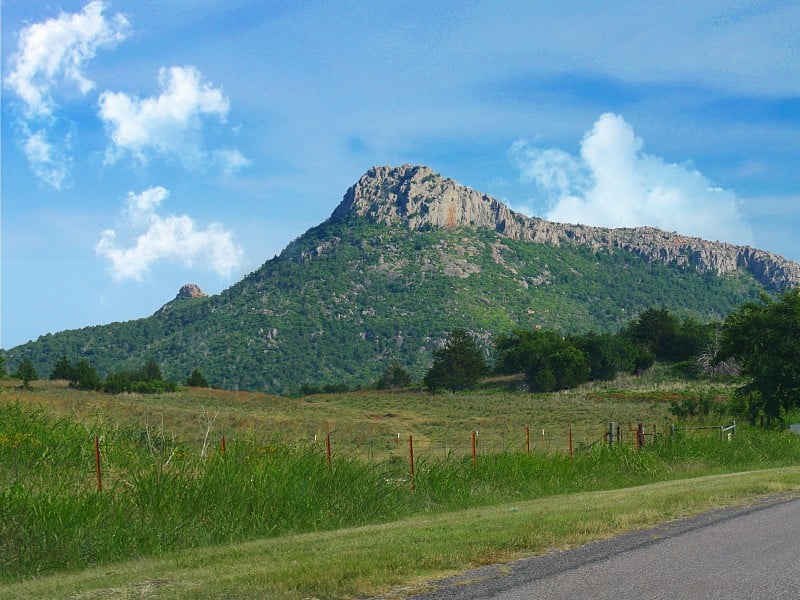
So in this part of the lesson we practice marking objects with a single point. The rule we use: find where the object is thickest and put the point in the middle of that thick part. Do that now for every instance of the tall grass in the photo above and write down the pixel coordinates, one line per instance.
(161, 495)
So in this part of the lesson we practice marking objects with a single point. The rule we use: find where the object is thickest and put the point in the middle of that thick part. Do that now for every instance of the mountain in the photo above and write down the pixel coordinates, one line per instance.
(407, 256)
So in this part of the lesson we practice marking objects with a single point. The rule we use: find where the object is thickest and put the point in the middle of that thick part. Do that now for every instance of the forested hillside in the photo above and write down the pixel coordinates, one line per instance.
(407, 257)
(350, 295)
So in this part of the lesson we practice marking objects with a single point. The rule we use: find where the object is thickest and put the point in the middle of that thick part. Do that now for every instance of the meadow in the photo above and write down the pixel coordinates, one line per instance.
(169, 485)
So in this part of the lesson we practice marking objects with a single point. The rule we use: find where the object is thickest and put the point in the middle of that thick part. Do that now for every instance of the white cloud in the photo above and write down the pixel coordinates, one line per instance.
(165, 238)
(168, 124)
(230, 160)
(50, 54)
(56, 50)
(45, 159)
(614, 184)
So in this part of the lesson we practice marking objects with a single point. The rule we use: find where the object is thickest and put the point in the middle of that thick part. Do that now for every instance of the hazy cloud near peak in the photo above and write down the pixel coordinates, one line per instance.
(170, 238)
(614, 184)
(168, 124)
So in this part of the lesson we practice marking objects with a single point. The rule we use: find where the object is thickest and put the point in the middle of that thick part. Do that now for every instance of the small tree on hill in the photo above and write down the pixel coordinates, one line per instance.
(394, 377)
(84, 377)
(26, 372)
(459, 365)
(151, 371)
(197, 379)
(63, 369)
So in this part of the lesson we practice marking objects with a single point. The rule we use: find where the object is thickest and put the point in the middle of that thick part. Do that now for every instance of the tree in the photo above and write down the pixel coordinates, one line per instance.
(549, 361)
(151, 371)
(63, 369)
(655, 330)
(660, 334)
(608, 354)
(764, 338)
(3, 366)
(197, 379)
(394, 377)
(84, 376)
(693, 338)
(26, 372)
(458, 365)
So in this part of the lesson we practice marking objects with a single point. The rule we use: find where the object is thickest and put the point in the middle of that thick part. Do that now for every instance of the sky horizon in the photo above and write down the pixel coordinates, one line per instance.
(146, 145)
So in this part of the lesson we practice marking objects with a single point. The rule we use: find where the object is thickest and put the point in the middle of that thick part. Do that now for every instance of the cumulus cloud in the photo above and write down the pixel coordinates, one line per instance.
(51, 56)
(170, 123)
(614, 184)
(168, 238)
(56, 49)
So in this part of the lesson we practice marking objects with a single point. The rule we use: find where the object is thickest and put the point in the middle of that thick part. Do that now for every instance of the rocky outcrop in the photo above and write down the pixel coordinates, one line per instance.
(190, 290)
(187, 292)
(416, 197)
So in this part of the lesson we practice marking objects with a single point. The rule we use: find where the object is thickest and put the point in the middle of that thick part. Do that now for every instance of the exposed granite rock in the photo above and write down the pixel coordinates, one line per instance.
(190, 290)
(187, 292)
(415, 196)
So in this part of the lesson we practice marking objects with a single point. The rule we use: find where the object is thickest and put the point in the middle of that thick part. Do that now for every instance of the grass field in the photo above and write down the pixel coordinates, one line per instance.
(366, 424)
(171, 495)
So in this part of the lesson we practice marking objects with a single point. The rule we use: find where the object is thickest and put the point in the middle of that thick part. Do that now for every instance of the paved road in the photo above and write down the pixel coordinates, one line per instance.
(749, 553)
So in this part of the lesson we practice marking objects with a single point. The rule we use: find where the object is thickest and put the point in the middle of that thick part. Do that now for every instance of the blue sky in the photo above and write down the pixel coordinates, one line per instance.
(150, 144)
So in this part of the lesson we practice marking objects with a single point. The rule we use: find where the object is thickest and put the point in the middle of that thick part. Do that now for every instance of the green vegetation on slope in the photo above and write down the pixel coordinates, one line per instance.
(348, 297)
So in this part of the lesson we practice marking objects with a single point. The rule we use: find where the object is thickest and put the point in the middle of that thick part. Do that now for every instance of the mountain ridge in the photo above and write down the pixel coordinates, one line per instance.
(416, 197)
(405, 257)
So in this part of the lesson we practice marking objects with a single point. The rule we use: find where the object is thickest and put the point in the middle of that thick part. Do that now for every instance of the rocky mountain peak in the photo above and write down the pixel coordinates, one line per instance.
(416, 196)
(187, 292)
(190, 290)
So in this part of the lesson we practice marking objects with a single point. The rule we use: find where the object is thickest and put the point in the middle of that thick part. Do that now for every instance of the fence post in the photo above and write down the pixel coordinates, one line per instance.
(528, 439)
(474, 447)
(97, 464)
(411, 462)
(611, 431)
(222, 445)
(328, 447)
(571, 454)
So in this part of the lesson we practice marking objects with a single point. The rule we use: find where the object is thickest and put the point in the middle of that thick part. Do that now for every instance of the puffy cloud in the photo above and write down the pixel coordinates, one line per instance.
(168, 124)
(56, 50)
(614, 184)
(165, 238)
(50, 54)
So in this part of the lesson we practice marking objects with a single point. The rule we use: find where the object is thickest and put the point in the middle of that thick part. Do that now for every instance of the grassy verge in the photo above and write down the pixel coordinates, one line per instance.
(160, 496)
(367, 560)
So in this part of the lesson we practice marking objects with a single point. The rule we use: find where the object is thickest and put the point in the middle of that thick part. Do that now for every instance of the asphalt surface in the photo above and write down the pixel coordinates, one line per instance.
(750, 553)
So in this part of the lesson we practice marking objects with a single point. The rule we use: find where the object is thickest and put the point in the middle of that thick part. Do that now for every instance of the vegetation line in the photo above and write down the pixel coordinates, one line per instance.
(374, 559)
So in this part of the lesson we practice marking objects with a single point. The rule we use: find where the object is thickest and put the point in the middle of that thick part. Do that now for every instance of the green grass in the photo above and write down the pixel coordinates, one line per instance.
(363, 561)
(365, 424)
(169, 493)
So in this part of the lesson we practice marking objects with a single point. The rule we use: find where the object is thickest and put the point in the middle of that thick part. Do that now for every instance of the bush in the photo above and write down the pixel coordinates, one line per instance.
(197, 379)
(458, 365)
(394, 377)
(85, 377)
(26, 372)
